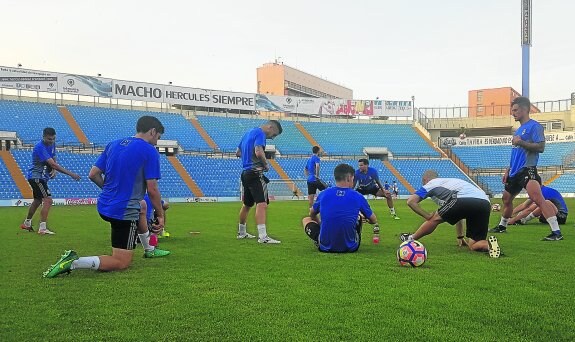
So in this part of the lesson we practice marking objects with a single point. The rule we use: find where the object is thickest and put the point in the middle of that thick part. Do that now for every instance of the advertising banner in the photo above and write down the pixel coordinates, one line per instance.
(84, 85)
(502, 140)
(23, 79)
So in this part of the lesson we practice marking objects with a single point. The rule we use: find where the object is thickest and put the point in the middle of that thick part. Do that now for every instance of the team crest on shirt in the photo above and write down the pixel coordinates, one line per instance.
(125, 142)
(340, 193)
(524, 131)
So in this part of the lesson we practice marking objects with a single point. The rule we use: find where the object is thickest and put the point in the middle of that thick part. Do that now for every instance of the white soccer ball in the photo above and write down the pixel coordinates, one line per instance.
(496, 207)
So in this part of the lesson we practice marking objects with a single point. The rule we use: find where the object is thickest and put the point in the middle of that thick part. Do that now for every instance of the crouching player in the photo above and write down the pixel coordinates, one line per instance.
(457, 200)
(339, 229)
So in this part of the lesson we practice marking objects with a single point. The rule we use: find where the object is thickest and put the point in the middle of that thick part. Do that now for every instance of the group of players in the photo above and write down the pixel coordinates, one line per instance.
(129, 168)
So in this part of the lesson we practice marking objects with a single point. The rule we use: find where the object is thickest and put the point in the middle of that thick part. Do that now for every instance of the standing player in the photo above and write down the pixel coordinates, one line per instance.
(528, 142)
(131, 167)
(457, 200)
(367, 183)
(395, 189)
(339, 229)
(44, 167)
(311, 170)
(528, 210)
(252, 152)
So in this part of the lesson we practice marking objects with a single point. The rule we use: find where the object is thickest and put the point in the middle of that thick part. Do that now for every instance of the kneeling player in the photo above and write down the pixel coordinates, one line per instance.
(339, 229)
(529, 210)
(367, 183)
(458, 200)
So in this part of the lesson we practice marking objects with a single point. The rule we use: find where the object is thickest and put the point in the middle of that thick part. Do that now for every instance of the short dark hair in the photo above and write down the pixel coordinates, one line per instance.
(315, 149)
(49, 131)
(146, 123)
(341, 171)
(521, 101)
(278, 125)
(364, 160)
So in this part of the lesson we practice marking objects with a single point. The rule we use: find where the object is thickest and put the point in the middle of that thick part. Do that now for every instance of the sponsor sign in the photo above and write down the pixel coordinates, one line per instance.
(503, 140)
(33, 80)
(201, 199)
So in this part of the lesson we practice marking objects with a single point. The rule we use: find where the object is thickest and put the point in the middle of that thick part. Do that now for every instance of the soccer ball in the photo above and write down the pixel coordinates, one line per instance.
(496, 207)
(411, 253)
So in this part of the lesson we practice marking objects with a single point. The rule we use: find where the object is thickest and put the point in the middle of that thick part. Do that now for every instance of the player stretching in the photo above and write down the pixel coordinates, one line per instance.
(367, 183)
(44, 167)
(311, 170)
(528, 142)
(252, 152)
(131, 167)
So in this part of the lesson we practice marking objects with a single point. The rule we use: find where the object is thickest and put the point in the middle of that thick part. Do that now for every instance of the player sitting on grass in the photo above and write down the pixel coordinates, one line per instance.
(457, 200)
(529, 210)
(339, 229)
(131, 167)
(367, 183)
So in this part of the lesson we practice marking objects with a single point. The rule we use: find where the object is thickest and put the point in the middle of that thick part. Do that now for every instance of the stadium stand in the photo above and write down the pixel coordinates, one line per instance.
(565, 183)
(102, 125)
(24, 118)
(413, 169)
(8, 188)
(215, 176)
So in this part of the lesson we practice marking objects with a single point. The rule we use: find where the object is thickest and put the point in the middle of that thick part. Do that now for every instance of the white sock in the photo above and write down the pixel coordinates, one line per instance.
(92, 262)
(503, 221)
(42, 226)
(410, 237)
(528, 218)
(28, 222)
(392, 211)
(242, 229)
(262, 232)
(554, 224)
(145, 241)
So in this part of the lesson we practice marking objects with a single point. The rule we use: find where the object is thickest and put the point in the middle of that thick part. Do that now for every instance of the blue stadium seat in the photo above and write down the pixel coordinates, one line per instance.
(8, 189)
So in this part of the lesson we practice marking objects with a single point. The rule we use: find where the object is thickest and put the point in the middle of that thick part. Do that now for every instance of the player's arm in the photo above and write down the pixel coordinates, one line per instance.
(261, 155)
(52, 163)
(238, 152)
(314, 215)
(459, 231)
(317, 170)
(96, 176)
(529, 146)
(413, 203)
(505, 175)
(156, 199)
(305, 171)
(522, 206)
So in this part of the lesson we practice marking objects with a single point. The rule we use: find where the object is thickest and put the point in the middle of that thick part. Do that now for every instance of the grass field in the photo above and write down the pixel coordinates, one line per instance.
(214, 287)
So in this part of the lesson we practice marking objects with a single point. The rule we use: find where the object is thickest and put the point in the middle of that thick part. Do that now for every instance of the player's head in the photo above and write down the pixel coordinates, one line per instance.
(428, 175)
(315, 149)
(343, 174)
(150, 128)
(272, 129)
(520, 107)
(49, 135)
(363, 164)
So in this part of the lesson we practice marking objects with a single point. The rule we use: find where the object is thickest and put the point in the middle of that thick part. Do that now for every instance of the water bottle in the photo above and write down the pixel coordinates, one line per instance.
(375, 239)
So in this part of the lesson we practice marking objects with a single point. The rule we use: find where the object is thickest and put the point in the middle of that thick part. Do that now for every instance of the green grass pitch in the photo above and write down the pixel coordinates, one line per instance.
(214, 287)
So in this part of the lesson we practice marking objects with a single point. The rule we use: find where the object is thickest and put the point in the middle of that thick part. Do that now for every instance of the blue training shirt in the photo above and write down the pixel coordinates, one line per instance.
(149, 207)
(127, 164)
(532, 132)
(366, 180)
(310, 167)
(554, 196)
(255, 137)
(339, 208)
(40, 154)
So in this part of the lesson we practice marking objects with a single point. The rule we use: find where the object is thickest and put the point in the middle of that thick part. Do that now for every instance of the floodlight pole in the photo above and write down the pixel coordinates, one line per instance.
(525, 45)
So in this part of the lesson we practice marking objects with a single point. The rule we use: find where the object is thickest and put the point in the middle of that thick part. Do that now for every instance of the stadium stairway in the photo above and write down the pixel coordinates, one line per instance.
(455, 159)
(399, 176)
(186, 177)
(203, 133)
(425, 136)
(73, 125)
(17, 175)
(550, 180)
(306, 134)
(281, 172)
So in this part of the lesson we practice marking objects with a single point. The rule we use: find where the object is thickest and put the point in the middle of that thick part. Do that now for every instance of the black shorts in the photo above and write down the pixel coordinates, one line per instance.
(476, 212)
(515, 184)
(124, 232)
(39, 188)
(312, 231)
(561, 218)
(313, 187)
(368, 191)
(255, 187)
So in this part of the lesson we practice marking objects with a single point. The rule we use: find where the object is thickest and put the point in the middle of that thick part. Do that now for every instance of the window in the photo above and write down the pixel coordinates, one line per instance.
(479, 96)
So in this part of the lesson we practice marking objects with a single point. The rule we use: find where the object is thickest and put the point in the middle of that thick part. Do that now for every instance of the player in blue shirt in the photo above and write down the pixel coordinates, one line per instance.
(528, 142)
(126, 169)
(528, 210)
(251, 150)
(311, 171)
(339, 229)
(457, 200)
(148, 220)
(44, 167)
(367, 183)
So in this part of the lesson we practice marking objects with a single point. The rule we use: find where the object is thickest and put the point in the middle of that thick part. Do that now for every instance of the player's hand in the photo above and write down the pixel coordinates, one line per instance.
(53, 174)
(504, 179)
(155, 229)
(515, 141)
(75, 176)
(461, 242)
(266, 167)
(160, 224)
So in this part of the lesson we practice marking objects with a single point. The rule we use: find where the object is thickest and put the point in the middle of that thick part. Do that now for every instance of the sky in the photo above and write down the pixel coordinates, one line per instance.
(433, 50)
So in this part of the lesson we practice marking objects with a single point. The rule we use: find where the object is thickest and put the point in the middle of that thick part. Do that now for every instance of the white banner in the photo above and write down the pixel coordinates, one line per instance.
(84, 85)
(23, 79)
(502, 140)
